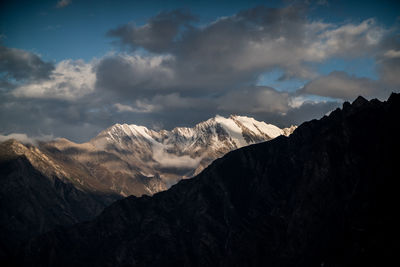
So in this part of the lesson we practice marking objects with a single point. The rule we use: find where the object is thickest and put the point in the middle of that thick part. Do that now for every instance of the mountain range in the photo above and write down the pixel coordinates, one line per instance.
(60, 182)
(134, 160)
(324, 196)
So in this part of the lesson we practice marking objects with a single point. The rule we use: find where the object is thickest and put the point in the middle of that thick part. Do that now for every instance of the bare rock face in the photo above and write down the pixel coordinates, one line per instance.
(324, 196)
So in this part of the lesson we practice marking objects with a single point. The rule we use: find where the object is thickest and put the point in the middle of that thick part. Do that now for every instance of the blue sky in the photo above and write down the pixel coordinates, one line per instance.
(77, 31)
(80, 66)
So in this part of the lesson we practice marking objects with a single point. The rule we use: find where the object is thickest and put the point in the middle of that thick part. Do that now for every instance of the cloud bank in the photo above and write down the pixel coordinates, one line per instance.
(172, 71)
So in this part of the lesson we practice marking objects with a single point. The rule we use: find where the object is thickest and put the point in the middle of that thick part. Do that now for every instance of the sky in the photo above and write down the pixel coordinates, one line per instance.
(72, 68)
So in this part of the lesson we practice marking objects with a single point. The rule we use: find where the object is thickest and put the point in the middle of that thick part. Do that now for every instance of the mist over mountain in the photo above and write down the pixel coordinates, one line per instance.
(135, 160)
(324, 196)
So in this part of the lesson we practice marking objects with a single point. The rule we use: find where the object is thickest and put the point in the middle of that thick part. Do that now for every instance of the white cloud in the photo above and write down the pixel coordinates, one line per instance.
(319, 41)
(161, 102)
(168, 160)
(392, 54)
(69, 81)
(24, 138)
(123, 108)
(139, 107)
(349, 39)
(298, 101)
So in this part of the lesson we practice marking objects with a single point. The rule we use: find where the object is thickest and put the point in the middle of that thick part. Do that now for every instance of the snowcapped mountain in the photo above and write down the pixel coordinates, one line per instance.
(62, 182)
(183, 152)
(135, 160)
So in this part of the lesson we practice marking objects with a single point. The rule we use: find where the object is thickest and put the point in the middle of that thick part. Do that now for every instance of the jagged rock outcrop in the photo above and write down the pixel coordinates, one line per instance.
(324, 196)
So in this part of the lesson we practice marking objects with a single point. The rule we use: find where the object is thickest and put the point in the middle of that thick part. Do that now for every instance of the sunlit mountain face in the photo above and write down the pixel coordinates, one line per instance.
(191, 111)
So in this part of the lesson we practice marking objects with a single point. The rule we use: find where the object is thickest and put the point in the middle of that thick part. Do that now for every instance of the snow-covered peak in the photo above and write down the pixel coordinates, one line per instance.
(192, 147)
(239, 130)
(130, 150)
(258, 126)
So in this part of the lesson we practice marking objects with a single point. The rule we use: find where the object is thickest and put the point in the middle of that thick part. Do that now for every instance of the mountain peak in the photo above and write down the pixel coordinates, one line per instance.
(183, 151)
(12, 148)
(359, 101)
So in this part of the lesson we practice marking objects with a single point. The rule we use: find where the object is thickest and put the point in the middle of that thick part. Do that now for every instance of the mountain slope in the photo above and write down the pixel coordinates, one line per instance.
(135, 160)
(325, 196)
(36, 195)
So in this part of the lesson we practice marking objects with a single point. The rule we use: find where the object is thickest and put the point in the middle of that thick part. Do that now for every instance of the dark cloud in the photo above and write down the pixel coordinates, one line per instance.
(158, 35)
(78, 121)
(22, 65)
(256, 99)
(389, 63)
(390, 73)
(134, 76)
(84, 118)
(340, 84)
(230, 52)
(226, 54)
(177, 73)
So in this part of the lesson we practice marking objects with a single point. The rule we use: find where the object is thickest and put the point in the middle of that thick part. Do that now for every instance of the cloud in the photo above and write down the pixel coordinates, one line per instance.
(308, 110)
(78, 120)
(70, 80)
(139, 107)
(21, 65)
(347, 40)
(339, 84)
(167, 160)
(217, 58)
(123, 108)
(158, 34)
(392, 54)
(134, 75)
(178, 73)
(63, 3)
(258, 99)
(25, 139)
(389, 64)
(389, 70)
(236, 49)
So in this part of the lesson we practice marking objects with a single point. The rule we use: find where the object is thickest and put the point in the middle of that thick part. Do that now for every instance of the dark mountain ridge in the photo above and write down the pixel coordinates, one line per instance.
(324, 196)
(34, 199)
